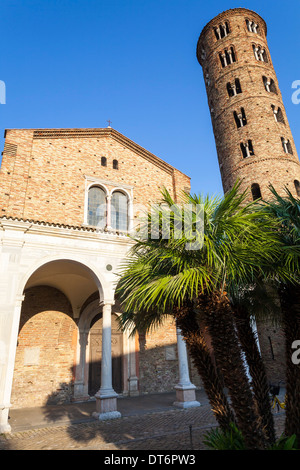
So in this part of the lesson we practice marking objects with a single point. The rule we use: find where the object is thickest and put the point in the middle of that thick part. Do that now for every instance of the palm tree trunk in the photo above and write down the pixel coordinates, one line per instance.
(191, 332)
(257, 371)
(290, 302)
(227, 351)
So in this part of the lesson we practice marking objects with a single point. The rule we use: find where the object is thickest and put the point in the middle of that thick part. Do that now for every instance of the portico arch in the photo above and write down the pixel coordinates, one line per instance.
(83, 268)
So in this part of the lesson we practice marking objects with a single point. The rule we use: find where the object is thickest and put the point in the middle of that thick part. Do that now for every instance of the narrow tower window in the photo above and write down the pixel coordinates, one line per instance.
(234, 88)
(269, 85)
(115, 164)
(252, 26)
(255, 190)
(260, 53)
(278, 115)
(240, 118)
(222, 30)
(286, 145)
(227, 57)
(297, 187)
(247, 148)
(103, 161)
(119, 211)
(96, 207)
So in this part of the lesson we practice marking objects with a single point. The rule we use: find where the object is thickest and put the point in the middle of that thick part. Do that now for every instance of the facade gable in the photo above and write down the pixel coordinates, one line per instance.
(45, 173)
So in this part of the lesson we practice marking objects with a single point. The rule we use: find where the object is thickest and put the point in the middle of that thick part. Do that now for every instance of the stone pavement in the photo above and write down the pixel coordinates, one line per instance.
(147, 423)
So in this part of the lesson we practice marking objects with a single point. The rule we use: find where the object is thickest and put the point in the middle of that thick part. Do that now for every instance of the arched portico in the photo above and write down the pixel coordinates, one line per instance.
(76, 278)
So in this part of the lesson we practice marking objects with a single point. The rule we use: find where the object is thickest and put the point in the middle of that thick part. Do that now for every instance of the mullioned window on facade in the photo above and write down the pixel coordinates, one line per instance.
(234, 88)
(297, 187)
(227, 57)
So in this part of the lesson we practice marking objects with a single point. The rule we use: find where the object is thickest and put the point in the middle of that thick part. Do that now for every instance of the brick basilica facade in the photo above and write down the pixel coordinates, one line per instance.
(68, 199)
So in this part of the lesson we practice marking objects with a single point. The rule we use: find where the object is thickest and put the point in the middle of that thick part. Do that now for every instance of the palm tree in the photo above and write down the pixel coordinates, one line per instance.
(287, 210)
(165, 276)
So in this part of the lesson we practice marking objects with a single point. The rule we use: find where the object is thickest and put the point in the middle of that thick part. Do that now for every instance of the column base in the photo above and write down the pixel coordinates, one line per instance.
(106, 407)
(133, 388)
(186, 397)
(4, 426)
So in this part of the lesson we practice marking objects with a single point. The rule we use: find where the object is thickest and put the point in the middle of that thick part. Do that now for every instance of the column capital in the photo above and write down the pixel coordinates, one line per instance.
(104, 303)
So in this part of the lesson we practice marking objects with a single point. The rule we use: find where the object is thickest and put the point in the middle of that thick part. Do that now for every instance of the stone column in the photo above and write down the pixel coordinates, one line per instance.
(185, 390)
(108, 212)
(106, 397)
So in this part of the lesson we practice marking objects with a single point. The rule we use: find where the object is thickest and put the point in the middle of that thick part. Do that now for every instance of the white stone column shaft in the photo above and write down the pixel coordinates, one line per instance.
(185, 390)
(10, 325)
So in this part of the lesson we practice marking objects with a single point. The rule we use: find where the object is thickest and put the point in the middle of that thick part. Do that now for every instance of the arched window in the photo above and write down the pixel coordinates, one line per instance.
(222, 30)
(234, 88)
(260, 53)
(227, 57)
(96, 207)
(255, 190)
(103, 161)
(115, 164)
(252, 26)
(119, 211)
(297, 187)
(247, 148)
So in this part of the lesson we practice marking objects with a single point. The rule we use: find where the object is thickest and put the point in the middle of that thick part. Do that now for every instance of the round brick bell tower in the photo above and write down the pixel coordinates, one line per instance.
(253, 138)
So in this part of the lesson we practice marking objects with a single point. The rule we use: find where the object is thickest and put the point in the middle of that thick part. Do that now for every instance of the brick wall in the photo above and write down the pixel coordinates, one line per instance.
(158, 360)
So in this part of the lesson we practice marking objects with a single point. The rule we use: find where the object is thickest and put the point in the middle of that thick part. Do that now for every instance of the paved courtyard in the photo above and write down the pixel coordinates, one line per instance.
(147, 423)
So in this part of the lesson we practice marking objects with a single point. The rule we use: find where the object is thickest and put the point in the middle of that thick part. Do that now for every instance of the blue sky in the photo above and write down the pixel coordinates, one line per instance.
(78, 63)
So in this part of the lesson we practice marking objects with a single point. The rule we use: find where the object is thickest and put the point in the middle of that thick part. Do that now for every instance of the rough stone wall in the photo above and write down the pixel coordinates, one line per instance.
(270, 163)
